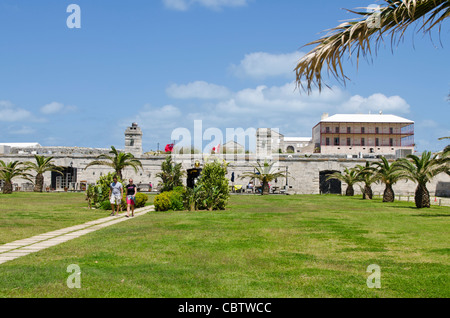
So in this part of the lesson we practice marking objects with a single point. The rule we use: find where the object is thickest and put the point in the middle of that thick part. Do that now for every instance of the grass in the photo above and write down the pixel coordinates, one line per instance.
(273, 246)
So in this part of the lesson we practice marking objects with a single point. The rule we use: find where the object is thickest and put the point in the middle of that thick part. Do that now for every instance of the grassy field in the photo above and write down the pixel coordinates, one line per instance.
(273, 246)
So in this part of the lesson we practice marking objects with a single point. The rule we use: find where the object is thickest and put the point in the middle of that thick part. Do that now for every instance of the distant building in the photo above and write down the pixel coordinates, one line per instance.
(233, 147)
(271, 141)
(5, 148)
(362, 134)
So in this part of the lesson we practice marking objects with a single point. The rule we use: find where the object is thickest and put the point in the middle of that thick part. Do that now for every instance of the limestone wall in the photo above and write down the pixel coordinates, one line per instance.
(303, 172)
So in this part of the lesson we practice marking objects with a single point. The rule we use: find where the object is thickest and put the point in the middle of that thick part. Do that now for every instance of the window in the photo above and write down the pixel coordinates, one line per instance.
(377, 130)
(349, 141)
(337, 130)
(349, 130)
(327, 130)
(336, 141)
(377, 142)
(363, 130)
(363, 142)
(327, 141)
(391, 142)
(391, 130)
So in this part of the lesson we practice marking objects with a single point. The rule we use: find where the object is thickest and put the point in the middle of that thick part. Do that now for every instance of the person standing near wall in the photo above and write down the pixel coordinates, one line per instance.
(115, 195)
(131, 197)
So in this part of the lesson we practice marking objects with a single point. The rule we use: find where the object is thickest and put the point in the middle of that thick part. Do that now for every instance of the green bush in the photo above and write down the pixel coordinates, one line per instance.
(105, 205)
(213, 187)
(141, 200)
(176, 200)
(170, 200)
(162, 202)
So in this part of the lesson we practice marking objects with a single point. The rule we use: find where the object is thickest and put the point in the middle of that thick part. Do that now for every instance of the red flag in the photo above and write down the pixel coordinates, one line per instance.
(169, 148)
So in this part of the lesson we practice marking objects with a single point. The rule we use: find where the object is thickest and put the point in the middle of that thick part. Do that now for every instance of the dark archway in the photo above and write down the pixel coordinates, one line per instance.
(333, 186)
(192, 177)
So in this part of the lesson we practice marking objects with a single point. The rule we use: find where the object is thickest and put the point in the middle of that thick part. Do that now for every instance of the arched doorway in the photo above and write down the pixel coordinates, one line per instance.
(332, 186)
(290, 149)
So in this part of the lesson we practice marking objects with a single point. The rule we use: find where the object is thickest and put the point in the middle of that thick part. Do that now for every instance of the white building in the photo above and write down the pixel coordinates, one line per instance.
(356, 134)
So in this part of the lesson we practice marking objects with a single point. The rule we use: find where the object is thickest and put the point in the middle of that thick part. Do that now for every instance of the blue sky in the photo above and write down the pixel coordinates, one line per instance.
(166, 63)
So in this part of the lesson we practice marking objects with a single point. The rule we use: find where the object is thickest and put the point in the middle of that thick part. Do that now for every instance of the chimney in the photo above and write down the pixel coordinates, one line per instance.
(324, 116)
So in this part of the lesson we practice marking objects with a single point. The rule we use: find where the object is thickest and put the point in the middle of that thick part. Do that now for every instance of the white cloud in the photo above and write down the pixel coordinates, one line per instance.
(11, 113)
(376, 103)
(183, 5)
(24, 130)
(285, 108)
(55, 107)
(261, 65)
(199, 89)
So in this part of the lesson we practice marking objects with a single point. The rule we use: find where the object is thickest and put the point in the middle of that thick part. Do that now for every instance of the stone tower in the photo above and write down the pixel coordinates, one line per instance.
(133, 140)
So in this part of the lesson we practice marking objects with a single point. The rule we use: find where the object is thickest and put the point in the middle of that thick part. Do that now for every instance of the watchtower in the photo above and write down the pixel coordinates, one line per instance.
(133, 140)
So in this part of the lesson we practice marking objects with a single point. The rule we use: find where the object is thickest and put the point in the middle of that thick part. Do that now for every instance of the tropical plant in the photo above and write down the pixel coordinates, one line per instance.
(447, 148)
(117, 161)
(191, 197)
(213, 190)
(389, 175)
(97, 194)
(10, 171)
(350, 177)
(393, 20)
(367, 174)
(92, 195)
(265, 173)
(41, 166)
(171, 175)
(422, 170)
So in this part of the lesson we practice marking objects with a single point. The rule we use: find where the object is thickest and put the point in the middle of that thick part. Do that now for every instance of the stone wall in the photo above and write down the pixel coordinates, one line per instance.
(303, 172)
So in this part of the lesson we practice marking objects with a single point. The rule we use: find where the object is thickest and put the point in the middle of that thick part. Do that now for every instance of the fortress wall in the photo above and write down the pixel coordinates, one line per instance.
(303, 173)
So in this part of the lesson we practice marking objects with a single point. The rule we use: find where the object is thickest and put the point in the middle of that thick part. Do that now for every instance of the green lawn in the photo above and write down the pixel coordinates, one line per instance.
(273, 246)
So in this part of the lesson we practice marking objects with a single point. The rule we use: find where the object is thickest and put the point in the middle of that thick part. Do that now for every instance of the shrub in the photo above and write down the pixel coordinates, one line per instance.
(105, 205)
(162, 202)
(141, 200)
(176, 200)
(170, 200)
(213, 187)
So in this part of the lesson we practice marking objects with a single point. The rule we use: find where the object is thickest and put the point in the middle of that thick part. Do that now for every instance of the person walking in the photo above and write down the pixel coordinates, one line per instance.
(131, 197)
(115, 195)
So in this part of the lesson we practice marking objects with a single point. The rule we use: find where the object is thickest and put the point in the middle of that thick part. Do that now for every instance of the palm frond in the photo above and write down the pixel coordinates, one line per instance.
(355, 36)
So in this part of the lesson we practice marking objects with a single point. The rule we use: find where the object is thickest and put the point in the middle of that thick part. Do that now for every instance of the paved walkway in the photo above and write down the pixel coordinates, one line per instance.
(16, 249)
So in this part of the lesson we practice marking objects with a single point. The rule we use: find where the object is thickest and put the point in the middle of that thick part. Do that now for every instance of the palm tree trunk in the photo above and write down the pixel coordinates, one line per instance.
(367, 193)
(388, 195)
(7, 188)
(350, 191)
(422, 197)
(39, 183)
(265, 188)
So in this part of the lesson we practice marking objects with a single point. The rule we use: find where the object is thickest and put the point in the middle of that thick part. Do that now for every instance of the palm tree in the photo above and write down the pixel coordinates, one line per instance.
(41, 166)
(368, 175)
(421, 170)
(265, 173)
(356, 35)
(171, 175)
(446, 149)
(10, 171)
(389, 175)
(350, 177)
(118, 161)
